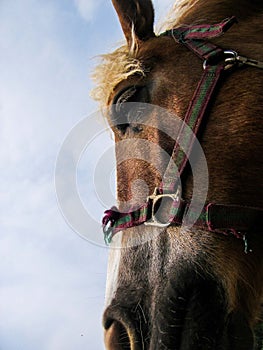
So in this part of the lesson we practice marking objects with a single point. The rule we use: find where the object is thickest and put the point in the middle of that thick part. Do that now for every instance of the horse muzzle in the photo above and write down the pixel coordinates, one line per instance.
(178, 320)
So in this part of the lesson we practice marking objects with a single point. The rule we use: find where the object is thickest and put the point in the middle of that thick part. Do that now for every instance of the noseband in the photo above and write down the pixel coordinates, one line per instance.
(226, 219)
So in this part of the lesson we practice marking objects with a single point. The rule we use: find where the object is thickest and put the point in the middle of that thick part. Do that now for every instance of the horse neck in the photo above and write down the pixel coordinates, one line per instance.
(214, 10)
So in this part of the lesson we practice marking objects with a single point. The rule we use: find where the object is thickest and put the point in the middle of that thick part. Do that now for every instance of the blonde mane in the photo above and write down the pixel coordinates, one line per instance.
(114, 68)
(122, 63)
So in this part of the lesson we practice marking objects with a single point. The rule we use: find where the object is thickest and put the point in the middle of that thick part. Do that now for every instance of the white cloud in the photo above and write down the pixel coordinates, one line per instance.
(87, 8)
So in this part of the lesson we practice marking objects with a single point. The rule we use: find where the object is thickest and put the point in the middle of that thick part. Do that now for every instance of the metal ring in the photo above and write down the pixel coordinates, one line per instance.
(155, 198)
(231, 58)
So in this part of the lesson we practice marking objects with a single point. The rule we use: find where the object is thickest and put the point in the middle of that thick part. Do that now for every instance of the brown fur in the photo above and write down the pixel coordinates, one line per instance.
(171, 274)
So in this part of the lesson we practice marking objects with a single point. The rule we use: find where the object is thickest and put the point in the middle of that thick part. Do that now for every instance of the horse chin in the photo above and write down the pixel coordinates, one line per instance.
(195, 315)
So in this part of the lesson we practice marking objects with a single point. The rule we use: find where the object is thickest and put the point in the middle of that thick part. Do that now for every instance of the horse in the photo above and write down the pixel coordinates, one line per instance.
(195, 286)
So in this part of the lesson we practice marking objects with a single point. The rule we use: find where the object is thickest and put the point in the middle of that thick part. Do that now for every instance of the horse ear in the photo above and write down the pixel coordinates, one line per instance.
(136, 18)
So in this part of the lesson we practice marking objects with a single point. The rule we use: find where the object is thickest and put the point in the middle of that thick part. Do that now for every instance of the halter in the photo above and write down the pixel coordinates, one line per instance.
(224, 219)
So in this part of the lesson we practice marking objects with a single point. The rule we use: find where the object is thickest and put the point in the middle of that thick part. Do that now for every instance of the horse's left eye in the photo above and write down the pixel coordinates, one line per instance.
(124, 109)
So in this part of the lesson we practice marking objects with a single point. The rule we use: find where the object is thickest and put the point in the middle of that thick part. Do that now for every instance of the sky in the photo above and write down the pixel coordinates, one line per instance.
(52, 278)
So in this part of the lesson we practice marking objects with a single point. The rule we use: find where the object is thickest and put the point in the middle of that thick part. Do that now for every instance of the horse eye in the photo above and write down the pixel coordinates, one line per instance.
(123, 111)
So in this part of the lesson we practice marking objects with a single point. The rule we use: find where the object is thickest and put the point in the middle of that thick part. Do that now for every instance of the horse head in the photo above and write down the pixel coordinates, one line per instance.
(185, 287)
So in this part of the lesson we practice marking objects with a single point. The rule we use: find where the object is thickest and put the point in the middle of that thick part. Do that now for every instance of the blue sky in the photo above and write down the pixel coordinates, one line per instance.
(52, 280)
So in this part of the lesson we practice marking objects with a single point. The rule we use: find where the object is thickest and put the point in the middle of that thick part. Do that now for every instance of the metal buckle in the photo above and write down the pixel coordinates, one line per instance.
(235, 58)
(155, 198)
(231, 58)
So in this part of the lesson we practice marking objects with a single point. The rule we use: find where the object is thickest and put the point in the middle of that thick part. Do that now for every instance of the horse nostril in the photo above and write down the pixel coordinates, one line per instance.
(116, 336)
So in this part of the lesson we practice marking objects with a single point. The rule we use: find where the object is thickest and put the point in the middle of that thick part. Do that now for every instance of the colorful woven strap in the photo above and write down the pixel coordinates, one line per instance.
(201, 31)
(193, 119)
(225, 219)
(115, 221)
(218, 218)
(203, 93)
(194, 37)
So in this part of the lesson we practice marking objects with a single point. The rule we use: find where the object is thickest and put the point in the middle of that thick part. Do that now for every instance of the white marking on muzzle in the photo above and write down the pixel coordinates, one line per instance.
(113, 268)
